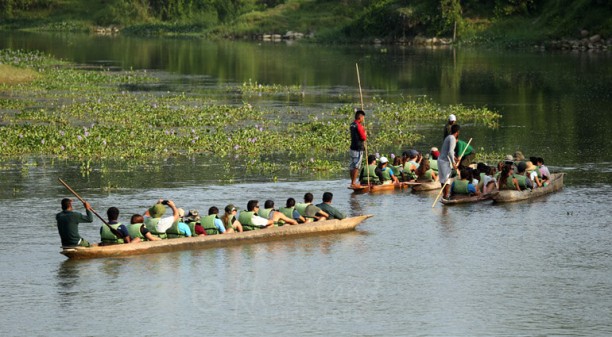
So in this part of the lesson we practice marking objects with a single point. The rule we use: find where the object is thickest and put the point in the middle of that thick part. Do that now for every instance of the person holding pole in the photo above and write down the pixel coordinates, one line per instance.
(358, 138)
(68, 224)
(447, 160)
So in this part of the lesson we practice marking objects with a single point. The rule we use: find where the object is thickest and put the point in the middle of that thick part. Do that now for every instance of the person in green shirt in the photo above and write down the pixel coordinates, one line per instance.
(68, 224)
(468, 156)
(326, 207)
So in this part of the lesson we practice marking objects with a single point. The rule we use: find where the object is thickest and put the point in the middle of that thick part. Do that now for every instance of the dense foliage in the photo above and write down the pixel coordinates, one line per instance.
(334, 20)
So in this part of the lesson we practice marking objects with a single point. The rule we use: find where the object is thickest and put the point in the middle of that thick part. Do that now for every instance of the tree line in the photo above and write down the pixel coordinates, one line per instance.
(368, 17)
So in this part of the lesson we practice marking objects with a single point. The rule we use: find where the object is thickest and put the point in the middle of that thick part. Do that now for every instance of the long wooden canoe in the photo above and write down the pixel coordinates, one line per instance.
(381, 188)
(555, 184)
(202, 242)
(467, 199)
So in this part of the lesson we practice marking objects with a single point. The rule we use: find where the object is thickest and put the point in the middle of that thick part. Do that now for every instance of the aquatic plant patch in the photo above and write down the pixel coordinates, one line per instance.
(87, 115)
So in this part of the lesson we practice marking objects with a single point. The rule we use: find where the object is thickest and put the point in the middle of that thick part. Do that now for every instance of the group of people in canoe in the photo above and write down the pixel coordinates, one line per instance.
(453, 166)
(153, 225)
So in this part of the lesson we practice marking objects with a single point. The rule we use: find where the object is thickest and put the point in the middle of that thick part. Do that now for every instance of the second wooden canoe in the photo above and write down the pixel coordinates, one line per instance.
(555, 184)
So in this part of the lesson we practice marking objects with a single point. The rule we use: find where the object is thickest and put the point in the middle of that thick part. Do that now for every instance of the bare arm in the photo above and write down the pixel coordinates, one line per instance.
(174, 210)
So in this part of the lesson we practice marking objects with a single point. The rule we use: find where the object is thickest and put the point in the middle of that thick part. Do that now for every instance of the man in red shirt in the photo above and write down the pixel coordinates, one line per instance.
(358, 138)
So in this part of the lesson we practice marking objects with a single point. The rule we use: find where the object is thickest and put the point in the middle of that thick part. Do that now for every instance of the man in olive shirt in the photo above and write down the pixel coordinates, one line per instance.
(326, 207)
(68, 224)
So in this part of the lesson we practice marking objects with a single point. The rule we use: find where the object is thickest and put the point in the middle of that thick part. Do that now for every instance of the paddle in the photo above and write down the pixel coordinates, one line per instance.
(365, 144)
(114, 231)
(448, 176)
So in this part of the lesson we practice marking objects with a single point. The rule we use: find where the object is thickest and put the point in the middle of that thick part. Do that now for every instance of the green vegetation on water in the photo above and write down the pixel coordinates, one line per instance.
(68, 113)
(506, 22)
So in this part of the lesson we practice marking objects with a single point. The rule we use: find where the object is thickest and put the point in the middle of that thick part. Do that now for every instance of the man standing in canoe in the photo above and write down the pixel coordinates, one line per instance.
(447, 161)
(358, 138)
(68, 224)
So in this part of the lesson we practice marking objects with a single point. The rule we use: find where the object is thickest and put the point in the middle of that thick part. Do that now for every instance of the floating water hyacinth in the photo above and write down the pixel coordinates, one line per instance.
(141, 122)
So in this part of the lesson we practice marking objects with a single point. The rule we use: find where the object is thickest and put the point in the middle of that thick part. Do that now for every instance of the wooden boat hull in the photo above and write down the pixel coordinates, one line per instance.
(381, 188)
(428, 186)
(467, 199)
(555, 184)
(202, 242)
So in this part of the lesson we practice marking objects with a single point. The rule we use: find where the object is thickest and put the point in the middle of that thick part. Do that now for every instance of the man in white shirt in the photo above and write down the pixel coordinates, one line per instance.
(156, 212)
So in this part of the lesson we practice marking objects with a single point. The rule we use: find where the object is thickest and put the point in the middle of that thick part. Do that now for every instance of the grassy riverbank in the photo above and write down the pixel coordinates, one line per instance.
(91, 116)
(509, 23)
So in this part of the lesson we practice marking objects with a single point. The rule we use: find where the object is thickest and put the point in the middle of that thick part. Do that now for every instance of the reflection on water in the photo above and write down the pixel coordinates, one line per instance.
(67, 281)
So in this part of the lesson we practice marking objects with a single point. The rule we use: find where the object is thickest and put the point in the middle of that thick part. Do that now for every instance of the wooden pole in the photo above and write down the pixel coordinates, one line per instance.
(448, 177)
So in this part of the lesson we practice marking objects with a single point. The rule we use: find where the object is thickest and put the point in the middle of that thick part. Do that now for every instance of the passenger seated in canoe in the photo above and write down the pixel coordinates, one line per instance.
(229, 220)
(68, 224)
(268, 212)
(521, 176)
(310, 211)
(290, 211)
(433, 160)
(212, 224)
(179, 228)
(268, 209)
(385, 173)
(368, 172)
(543, 170)
(107, 235)
(154, 221)
(486, 182)
(138, 231)
(425, 173)
(194, 221)
(518, 157)
(251, 221)
(464, 185)
(327, 207)
(543, 175)
(411, 165)
(507, 181)
(531, 171)
(397, 167)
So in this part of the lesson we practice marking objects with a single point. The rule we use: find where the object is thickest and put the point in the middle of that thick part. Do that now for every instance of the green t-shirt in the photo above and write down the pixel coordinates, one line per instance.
(332, 211)
(68, 226)
(462, 145)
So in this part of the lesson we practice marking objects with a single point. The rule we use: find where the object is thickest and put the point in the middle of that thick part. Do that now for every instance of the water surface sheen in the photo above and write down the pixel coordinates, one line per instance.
(532, 268)
(535, 268)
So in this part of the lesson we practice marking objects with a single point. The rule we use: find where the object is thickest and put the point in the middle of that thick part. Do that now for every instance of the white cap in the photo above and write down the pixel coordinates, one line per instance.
(384, 160)
(452, 118)
(181, 212)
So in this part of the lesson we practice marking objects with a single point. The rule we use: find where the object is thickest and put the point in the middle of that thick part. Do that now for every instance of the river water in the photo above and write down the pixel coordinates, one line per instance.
(541, 268)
